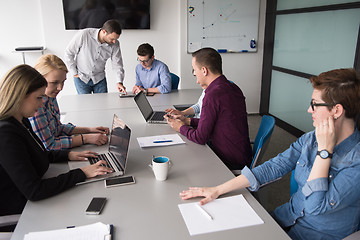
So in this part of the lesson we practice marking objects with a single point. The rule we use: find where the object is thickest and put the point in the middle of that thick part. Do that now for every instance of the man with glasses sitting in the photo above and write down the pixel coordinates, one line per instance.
(152, 75)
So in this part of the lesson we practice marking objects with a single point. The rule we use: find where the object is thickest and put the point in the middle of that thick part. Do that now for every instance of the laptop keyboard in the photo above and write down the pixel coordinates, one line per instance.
(104, 157)
(158, 116)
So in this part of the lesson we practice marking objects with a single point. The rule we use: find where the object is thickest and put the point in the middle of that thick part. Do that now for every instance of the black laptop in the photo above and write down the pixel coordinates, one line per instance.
(147, 111)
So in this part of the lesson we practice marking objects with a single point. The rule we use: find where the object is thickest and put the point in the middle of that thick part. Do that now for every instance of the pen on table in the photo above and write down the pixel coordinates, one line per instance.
(204, 212)
(162, 141)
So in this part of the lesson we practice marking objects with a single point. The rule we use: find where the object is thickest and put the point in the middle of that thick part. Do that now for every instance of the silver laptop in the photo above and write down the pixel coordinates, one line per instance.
(147, 111)
(116, 157)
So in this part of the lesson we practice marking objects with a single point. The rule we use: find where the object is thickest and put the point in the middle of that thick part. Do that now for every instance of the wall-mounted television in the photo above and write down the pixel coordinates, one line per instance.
(132, 14)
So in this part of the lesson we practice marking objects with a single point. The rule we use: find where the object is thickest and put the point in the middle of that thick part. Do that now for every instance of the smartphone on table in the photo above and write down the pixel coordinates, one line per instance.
(96, 205)
(118, 181)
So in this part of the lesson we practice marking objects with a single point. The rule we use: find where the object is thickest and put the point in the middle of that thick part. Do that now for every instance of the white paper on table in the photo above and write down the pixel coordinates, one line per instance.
(149, 141)
(227, 213)
(94, 231)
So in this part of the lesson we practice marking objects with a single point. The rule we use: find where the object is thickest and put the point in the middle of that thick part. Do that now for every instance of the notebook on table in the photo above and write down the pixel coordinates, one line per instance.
(116, 157)
(147, 111)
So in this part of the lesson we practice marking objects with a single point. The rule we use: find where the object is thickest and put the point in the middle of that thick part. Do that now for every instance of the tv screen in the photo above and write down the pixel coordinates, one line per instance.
(132, 14)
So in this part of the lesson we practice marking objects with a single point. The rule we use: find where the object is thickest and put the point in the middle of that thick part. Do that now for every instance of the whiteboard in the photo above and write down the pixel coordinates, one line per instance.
(225, 25)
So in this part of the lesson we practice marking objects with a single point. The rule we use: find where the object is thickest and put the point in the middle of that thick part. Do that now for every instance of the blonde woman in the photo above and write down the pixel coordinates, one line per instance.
(24, 160)
(46, 121)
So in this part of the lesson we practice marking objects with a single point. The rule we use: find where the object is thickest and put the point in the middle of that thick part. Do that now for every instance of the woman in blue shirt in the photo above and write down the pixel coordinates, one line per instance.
(326, 163)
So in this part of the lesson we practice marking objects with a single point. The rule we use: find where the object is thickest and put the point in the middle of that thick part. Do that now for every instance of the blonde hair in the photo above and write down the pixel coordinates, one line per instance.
(49, 62)
(15, 86)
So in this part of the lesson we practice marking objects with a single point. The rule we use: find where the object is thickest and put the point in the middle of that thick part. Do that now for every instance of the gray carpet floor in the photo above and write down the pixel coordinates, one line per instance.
(276, 193)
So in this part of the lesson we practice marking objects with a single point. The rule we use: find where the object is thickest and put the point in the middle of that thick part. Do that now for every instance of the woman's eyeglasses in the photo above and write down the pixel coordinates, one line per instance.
(313, 105)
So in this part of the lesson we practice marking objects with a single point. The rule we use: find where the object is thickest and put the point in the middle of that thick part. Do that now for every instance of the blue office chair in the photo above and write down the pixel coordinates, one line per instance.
(174, 81)
(261, 141)
(293, 184)
(262, 138)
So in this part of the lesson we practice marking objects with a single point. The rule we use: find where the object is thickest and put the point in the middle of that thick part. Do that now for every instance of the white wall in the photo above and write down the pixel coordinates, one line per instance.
(20, 25)
(41, 23)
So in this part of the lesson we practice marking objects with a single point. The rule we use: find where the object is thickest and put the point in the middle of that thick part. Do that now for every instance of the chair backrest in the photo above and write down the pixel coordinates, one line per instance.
(8, 221)
(293, 184)
(174, 81)
(262, 138)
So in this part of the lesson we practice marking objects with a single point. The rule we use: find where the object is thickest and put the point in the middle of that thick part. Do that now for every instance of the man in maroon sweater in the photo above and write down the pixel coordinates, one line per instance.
(223, 121)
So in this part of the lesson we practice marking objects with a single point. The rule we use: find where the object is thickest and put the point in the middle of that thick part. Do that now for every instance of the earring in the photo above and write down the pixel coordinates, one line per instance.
(335, 118)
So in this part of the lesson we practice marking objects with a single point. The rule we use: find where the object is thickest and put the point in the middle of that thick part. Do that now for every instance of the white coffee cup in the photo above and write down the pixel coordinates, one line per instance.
(161, 166)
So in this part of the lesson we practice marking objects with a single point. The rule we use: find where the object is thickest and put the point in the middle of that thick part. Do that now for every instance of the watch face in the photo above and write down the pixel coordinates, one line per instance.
(324, 154)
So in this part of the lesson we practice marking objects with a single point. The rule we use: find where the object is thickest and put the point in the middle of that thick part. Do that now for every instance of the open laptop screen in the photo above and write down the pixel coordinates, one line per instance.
(119, 140)
(143, 105)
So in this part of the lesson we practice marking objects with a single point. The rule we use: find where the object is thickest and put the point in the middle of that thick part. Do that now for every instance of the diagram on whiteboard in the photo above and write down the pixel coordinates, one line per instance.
(227, 25)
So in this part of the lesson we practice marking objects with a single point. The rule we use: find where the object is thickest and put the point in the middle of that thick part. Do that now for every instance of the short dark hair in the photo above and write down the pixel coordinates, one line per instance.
(340, 86)
(145, 49)
(111, 26)
(210, 58)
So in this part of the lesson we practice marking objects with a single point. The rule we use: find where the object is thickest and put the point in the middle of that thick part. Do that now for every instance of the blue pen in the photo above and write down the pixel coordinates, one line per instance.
(111, 231)
(162, 141)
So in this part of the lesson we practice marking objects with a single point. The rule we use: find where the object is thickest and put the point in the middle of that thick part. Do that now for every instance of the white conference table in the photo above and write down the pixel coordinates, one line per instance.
(91, 102)
(149, 208)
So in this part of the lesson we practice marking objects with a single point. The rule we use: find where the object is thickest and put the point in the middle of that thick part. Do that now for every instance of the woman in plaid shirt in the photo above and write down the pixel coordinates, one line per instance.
(46, 121)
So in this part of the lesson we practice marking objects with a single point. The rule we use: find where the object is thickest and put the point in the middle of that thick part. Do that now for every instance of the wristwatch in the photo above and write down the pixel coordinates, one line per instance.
(324, 154)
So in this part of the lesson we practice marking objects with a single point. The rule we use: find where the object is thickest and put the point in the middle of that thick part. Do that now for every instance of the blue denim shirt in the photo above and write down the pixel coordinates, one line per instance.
(324, 208)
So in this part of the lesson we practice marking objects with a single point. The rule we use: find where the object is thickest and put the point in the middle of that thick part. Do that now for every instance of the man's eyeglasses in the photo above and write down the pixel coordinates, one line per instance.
(143, 61)
(313, 105)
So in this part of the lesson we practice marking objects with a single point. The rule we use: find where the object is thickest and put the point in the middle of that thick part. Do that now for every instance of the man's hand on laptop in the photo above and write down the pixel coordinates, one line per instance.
(137, 89)
(96, 169)
(173, 111)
